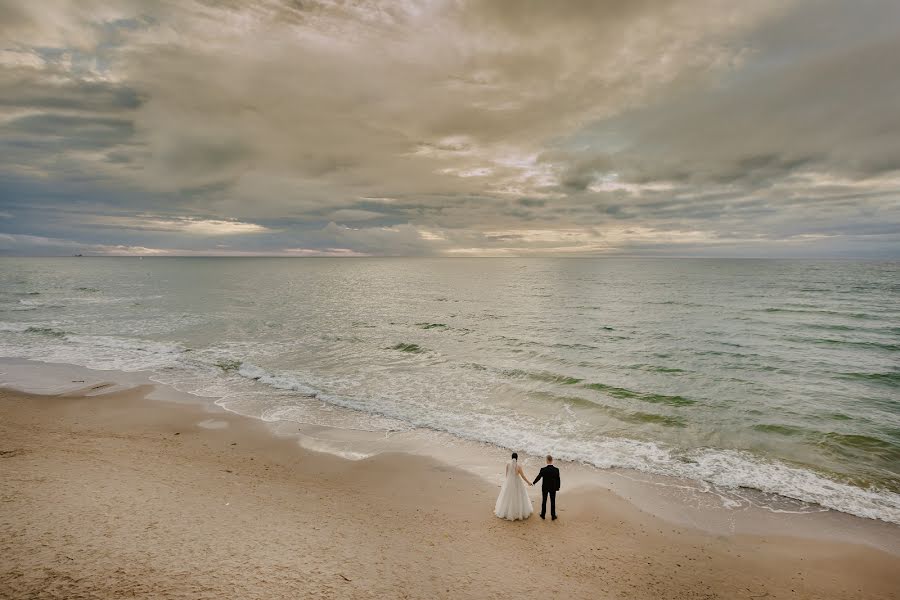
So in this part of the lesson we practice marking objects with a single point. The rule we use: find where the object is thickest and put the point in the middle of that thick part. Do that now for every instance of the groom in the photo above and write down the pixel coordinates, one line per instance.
(550, 475)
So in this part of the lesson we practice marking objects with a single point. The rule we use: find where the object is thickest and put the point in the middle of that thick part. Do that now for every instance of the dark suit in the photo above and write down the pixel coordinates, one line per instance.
(549, 487)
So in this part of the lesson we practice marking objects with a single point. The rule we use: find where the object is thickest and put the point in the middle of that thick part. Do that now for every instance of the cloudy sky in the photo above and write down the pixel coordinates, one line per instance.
(450, 127)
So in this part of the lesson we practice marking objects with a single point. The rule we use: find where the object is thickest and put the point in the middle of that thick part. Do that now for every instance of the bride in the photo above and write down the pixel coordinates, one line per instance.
(513, 502)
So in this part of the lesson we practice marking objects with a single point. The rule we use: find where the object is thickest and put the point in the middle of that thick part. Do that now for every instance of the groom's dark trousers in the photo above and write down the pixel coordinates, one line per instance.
(552, 493)
(549, 487)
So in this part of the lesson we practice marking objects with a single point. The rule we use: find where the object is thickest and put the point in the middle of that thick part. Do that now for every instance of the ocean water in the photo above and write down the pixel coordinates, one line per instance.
(776, 375)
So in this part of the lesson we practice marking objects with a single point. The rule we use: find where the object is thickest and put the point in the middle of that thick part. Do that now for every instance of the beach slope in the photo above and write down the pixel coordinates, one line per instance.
(115, 496)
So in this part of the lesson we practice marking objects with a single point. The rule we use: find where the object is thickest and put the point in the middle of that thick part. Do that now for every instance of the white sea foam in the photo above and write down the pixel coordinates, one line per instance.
(47, 342)
(281, 382)
(727, 469)
(106, 299)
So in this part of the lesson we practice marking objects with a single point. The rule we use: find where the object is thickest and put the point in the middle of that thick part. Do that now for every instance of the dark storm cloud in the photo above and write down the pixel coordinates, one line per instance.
(439, 127)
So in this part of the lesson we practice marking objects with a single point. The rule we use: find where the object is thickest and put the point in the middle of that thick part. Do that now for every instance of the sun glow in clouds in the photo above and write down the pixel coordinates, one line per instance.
(188, 225)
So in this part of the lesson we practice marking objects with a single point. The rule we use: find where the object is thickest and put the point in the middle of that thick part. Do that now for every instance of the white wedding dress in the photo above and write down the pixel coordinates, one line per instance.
(513, 502)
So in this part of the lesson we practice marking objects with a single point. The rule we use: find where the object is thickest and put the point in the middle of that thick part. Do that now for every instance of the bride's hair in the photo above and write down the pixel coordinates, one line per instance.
(515, 456)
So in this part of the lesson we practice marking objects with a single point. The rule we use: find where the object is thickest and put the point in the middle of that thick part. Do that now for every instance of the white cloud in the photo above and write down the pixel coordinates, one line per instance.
(323, 252)
(349, 214)
(18, 244)
(187, 225)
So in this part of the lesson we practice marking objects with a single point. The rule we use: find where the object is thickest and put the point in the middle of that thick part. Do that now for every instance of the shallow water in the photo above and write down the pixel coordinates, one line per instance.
(776, 375)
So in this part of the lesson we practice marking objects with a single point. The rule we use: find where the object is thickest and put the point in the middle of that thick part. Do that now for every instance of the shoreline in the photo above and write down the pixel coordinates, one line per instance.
(680, 502)
(110, 494)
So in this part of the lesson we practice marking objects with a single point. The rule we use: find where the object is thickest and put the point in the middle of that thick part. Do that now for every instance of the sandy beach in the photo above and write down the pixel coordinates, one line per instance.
(112, 495)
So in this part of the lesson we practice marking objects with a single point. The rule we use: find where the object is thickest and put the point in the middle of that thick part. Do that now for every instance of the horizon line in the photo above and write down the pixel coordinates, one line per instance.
(408, 256)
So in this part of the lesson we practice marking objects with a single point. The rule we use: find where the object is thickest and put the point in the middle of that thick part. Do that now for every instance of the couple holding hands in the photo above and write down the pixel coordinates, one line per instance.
(514, 504)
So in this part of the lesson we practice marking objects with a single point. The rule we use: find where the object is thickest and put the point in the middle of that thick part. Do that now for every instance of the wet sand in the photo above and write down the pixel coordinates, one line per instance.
(112, 495)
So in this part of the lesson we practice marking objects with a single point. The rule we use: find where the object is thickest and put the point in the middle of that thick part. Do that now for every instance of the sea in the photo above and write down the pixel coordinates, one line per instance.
(780, 376)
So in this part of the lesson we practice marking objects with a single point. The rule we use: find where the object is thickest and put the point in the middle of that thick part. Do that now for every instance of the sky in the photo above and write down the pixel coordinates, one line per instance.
(450, 128)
